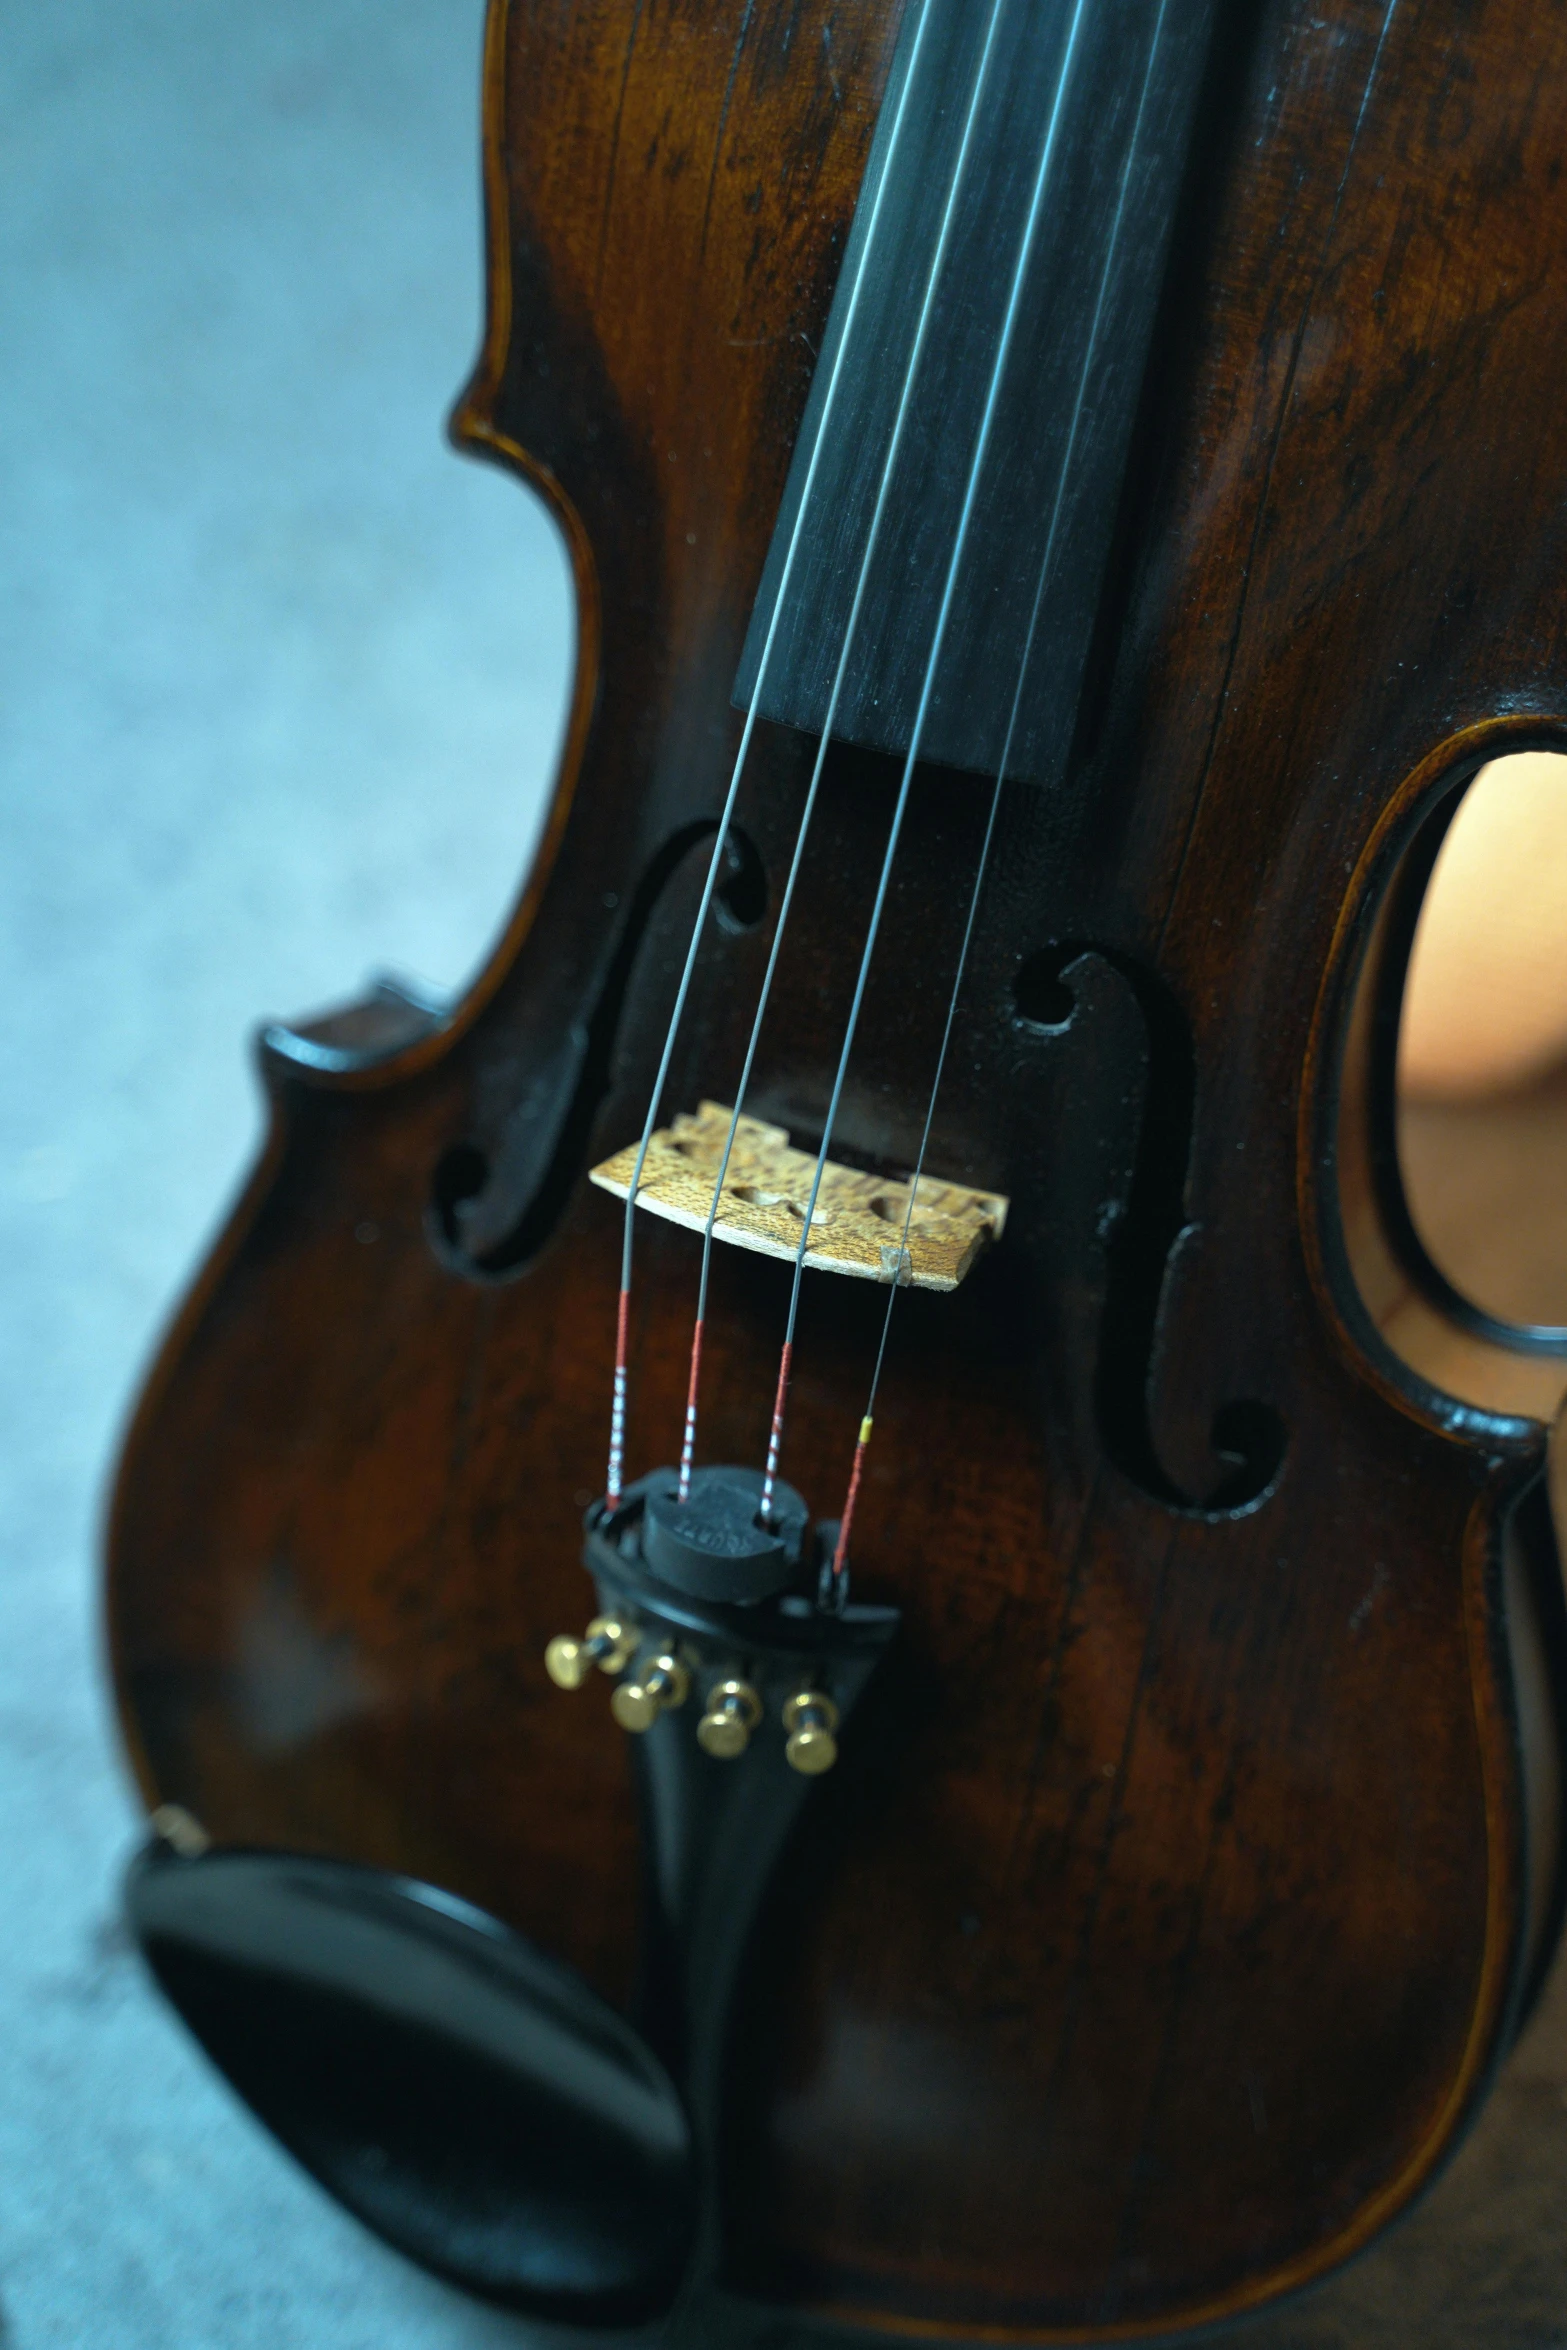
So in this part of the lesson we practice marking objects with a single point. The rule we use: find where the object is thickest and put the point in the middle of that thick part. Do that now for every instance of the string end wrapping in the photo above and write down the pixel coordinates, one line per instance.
(617, 1412)
(775, 1436)
(688, 1442)
(840, 1556)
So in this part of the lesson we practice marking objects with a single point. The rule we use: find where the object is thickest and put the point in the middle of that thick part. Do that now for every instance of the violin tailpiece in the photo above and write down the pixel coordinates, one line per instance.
(858, 1223)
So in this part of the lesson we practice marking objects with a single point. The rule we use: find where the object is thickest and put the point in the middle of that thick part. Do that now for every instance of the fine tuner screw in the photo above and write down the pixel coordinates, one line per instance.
(733, 1711)
(607, 1643)
(810, 1718)
(636, 1705)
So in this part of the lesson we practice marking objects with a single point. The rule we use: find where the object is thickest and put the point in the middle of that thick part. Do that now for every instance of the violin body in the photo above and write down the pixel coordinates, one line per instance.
(1169, 1909)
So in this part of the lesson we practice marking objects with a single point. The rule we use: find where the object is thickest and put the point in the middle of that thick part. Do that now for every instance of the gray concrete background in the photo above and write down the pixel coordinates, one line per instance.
(280, 682)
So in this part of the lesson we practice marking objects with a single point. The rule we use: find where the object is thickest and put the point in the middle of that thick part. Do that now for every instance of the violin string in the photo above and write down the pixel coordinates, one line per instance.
(841, 1549)
(922, 711)
(840, 677)
(617, 1431)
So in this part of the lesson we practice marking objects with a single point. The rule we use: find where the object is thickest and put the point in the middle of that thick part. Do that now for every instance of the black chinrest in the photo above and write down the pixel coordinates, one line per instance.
(470, 2099)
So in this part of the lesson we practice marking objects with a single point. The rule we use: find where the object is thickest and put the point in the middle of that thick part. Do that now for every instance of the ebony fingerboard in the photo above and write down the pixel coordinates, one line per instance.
(1121, 82)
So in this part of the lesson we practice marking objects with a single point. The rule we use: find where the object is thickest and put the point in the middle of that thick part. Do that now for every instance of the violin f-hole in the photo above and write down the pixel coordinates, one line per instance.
(1143, 1228)
(491, 1212)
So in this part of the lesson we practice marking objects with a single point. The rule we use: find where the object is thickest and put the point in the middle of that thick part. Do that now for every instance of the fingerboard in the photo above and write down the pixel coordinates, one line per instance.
(1121, 82)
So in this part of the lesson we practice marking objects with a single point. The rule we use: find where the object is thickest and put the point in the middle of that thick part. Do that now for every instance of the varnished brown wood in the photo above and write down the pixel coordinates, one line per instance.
(1161, 1926)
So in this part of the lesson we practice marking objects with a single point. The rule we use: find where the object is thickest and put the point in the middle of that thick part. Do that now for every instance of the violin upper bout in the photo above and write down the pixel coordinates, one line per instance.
(688, 133)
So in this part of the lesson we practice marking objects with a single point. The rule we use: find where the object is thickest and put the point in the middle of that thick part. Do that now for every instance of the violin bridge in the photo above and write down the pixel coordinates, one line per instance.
(858, 1225)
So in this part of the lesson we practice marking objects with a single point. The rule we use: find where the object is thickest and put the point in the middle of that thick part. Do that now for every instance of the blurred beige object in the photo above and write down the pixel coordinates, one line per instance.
(860, 1221)
(1485, 1009)
(1486, 1182)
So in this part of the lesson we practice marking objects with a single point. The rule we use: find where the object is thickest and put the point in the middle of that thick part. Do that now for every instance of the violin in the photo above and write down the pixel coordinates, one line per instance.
(800, 1655)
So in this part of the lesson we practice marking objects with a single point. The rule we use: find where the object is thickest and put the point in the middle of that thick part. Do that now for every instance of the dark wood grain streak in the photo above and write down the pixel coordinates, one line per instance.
(1160, 1929)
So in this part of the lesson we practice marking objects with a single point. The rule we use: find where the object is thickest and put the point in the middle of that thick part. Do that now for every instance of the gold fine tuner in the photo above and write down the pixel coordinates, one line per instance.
(733, 1711)
(636, 1705)
(810, 1720)
(607, 1643)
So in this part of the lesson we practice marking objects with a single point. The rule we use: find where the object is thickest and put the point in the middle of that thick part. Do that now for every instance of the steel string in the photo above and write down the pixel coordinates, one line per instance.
(617, 1434)
(841, 1551)
(922, 710)
(851, 632)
